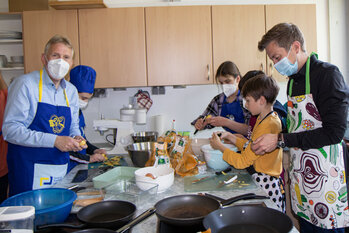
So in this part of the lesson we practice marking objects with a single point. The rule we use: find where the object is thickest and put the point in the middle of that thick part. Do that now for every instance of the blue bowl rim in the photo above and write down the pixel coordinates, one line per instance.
(50, 209)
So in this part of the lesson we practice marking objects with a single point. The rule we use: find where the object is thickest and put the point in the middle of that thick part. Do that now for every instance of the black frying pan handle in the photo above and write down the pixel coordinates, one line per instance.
(137, 220)
(61, 225)
(246, 196)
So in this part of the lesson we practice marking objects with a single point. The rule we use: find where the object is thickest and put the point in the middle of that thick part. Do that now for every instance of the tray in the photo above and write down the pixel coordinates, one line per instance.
(243, 182)
(114, 175)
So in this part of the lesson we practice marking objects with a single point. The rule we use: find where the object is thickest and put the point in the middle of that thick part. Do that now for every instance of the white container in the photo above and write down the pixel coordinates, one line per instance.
(141, 116)
(17, 219)
(164, 177)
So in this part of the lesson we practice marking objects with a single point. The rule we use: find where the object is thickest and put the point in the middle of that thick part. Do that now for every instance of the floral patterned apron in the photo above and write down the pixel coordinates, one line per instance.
(318, 185)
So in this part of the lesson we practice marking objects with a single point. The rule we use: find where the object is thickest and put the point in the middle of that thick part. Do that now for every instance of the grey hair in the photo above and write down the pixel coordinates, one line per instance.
(58, 39)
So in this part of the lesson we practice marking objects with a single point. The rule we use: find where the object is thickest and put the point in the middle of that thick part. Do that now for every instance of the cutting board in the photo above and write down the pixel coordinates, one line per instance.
(101, 164)
(243, 181)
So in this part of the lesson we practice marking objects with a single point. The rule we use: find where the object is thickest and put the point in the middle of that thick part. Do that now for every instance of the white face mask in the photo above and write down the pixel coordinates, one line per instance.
(82, 104)
(58, 68)
(229, 89)
(244, 103)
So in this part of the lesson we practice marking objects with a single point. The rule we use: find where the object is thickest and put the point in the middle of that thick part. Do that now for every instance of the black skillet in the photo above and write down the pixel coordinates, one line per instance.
(105, 214)
(248, 219)
(181, 210)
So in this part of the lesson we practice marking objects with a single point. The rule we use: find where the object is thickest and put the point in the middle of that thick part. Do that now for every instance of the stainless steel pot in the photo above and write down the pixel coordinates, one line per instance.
(144, 136)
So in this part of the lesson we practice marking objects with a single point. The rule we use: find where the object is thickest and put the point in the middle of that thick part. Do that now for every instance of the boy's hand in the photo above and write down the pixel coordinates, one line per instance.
(216, 143)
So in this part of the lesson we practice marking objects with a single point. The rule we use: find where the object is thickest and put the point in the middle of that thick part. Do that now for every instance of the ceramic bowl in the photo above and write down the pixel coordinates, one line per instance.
(161, 175)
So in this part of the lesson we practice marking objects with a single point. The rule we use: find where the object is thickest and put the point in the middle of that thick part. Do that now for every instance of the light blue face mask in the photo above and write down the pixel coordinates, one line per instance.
(285, 67)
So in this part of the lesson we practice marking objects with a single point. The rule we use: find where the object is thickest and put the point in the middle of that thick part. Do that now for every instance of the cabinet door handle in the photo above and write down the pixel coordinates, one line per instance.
(208, 72)
(261, 67)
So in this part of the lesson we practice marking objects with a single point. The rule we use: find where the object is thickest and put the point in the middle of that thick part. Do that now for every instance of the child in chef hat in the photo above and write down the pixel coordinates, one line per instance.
(260, 93)
(83, 78)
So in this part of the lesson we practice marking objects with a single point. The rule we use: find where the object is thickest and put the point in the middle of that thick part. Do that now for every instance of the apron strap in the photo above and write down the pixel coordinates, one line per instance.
(40, 90)
(307, 77)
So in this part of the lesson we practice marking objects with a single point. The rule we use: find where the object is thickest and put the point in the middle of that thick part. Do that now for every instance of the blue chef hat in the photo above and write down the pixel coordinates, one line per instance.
(83, 78)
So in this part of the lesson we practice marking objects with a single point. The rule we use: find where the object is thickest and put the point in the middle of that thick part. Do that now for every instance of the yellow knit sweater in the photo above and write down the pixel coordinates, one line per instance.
(269, 163)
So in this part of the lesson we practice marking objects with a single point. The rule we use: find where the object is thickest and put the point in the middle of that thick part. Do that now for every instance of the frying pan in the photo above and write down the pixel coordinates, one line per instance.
(247, 219)
(191, 209)
(182, 210)
(105, 214)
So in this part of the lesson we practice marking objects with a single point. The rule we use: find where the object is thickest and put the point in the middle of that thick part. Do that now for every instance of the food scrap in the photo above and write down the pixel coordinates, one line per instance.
(150, 175)
(115, 161)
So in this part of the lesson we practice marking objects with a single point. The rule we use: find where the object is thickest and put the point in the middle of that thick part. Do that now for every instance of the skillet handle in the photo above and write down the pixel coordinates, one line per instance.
(61, 225)
(137, 220)
(242, 197)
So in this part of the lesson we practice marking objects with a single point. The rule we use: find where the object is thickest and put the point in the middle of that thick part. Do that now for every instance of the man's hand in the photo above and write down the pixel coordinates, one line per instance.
(66, 143)
(265, 144)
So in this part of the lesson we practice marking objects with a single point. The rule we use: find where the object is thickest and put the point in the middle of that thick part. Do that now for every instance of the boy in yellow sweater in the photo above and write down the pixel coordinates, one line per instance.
(260, 93)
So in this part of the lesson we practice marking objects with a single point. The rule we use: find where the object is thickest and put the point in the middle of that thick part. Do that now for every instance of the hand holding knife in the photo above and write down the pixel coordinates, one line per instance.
(204, 118)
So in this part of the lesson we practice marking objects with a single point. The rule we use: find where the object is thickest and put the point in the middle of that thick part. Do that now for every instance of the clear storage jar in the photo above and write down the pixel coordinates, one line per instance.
(18, 219)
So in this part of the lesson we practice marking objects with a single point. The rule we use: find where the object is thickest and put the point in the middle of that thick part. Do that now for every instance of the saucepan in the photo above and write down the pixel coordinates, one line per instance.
(181, 210)
(247, 219)
(106, 214)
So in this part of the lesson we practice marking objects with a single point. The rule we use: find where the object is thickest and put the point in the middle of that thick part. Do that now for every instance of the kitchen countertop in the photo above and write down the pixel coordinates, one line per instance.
(149, 225)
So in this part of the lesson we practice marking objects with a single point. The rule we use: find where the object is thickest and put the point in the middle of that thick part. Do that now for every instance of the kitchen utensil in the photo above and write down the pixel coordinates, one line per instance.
(144, 136)
(204, 118)
(225, 182)
(211, 177)
(140, 152)
(247, 219)
(105, 214)
(214, 158)
(164, 177)
(52, 205)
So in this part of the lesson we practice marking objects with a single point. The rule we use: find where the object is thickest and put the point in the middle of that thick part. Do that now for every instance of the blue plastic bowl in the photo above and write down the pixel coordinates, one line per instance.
(52, 205)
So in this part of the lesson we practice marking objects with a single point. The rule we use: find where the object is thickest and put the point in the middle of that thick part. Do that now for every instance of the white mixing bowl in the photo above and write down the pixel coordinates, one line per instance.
(164, 177)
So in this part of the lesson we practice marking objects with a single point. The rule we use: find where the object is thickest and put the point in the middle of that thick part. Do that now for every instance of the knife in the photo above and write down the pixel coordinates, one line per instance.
(226, 182)
(204, 118)
(211, 177)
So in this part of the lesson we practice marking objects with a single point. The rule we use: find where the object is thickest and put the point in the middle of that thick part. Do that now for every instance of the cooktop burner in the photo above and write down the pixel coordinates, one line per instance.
(167, 228)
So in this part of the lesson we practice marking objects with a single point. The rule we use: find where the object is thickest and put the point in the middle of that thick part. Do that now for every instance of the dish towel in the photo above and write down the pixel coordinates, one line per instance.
(143, 99)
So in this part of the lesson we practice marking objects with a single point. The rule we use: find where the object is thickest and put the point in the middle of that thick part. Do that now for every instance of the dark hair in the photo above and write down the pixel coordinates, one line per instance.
(247, 76)
(261, 85)
(284, 34)
(227, 68)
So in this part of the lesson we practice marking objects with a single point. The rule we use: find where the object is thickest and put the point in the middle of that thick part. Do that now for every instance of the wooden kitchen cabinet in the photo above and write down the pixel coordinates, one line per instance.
(302, 15)
(39, 27)
(112, 41)
(236, 31)
(179, 45)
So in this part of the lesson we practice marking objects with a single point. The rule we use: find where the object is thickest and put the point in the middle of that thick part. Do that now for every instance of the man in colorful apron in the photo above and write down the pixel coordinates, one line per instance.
(41, 122)
(83, 78)
(316, 122)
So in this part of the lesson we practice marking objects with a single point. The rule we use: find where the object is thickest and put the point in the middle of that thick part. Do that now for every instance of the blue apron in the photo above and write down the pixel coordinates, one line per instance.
(232, 111)
(37, 167)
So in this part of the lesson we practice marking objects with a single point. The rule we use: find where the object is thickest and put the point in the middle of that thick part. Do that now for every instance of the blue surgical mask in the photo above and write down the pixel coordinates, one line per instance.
(285, 67)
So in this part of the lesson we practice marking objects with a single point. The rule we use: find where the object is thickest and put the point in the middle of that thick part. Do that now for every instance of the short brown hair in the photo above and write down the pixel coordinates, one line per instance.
(261, 85)
(58, 39)
(250, 74)
(284, 34)
(227, 68)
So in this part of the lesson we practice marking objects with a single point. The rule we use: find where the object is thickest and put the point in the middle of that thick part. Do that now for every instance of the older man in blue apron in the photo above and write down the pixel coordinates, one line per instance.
(316, 122)
(41, 121)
